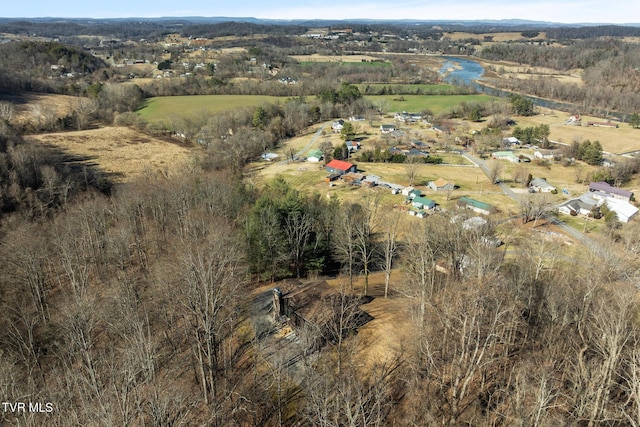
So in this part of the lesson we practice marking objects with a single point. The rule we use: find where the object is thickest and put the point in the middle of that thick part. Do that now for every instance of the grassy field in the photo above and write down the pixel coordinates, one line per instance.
(30, 105)
(123, 153)
(163, 108)
(435, 103)
(620, 140)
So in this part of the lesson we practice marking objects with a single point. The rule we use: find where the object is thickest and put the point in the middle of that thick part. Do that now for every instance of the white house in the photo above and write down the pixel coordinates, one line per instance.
(584, 204)
(407, 190)
(577, 206)
(541, 185)
(407, 117)
(505, 155)
(545, 154)
(315, 156)
(337, 125)
(352, 146)
(611, 191)
(387, 128)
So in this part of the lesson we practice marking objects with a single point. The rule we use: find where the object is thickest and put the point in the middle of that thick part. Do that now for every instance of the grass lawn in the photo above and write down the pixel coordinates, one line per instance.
(435, 103)
(582, 224)
(163, 108)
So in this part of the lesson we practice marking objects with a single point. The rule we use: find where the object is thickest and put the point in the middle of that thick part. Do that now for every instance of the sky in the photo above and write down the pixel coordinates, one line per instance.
(564, 11)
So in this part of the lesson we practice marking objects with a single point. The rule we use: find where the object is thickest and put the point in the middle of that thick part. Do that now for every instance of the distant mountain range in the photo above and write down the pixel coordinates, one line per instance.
(500, 23)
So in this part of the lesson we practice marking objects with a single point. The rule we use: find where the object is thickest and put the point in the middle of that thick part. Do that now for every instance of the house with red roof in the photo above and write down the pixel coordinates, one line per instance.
(340, 167)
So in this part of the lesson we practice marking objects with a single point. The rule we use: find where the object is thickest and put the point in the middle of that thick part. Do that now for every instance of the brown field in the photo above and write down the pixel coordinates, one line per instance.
(620, 140)
(512, 70)
(125, 153)
(28, 104)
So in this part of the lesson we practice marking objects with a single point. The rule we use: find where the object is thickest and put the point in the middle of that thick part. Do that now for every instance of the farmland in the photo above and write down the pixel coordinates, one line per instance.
(164, 108)
(435, 103)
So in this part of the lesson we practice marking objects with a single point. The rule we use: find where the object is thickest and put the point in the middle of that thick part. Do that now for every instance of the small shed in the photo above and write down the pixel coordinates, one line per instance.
(407, 190)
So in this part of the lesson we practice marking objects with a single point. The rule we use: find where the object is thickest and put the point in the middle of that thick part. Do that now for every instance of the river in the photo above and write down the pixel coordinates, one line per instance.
(462, 71)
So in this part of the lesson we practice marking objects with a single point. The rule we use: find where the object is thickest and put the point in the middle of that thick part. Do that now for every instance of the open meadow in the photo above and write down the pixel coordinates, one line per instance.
(123, 153)
(435, 103)
(31, 107)
(614, 140)
(166, 108)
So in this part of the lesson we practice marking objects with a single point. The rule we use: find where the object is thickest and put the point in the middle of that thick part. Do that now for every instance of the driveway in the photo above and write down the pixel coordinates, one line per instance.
(580, 237)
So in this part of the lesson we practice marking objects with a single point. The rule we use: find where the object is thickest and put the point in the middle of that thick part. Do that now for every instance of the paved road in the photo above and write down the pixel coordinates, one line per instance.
(309, 144)
(580, 237)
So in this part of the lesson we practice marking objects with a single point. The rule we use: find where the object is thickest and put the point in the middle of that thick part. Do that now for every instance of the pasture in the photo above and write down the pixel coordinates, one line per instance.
(166, 108)
(435, 103)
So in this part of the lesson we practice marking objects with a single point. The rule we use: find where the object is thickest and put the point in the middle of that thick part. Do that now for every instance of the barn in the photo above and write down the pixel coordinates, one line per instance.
(340, 167)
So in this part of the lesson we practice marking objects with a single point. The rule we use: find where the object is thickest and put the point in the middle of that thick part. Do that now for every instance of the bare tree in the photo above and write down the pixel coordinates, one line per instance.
(494, 172)
(211, 274)
(327, 150)
(412, 168)
(604, 332)
(7, 110)
(390, 224)
(345, 241)
(365, 227)
(464, 343)
(45, 115)
(26, 259)
(84, 109)
(534, 207)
